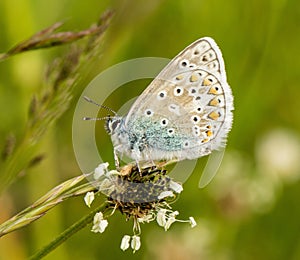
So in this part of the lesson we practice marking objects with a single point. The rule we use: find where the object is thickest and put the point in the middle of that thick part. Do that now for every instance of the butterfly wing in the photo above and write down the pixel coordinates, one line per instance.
(185, 112)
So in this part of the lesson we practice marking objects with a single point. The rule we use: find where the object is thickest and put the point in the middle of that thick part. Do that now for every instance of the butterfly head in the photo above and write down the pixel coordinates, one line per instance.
(112, 124)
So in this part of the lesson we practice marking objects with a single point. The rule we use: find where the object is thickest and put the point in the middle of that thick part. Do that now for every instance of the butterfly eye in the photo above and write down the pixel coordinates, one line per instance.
(112, 125)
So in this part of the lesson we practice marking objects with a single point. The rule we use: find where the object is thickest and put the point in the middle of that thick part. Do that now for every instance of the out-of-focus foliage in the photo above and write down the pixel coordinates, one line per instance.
(251, 208)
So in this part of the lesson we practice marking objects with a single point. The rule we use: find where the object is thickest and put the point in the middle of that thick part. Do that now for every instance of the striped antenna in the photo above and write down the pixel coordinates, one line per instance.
(96, 118)
(102, 106)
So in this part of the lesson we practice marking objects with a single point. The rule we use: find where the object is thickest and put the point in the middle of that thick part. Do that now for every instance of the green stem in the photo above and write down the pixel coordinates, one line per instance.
(83, 222)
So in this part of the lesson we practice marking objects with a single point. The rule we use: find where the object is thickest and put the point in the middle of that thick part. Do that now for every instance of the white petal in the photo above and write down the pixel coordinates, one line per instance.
(161, 217)
(174, 213)
(125, 242)
(169, 222)
(135, 243)
(98, 217)
(102, 226)
(95, 229)
(100, 170)
(176, 187)
(146, 219)
(89, 198)
(165, 194)
(192, 222)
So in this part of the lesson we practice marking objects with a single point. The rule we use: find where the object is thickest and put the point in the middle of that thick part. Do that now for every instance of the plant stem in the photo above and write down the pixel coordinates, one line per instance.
(83, 222)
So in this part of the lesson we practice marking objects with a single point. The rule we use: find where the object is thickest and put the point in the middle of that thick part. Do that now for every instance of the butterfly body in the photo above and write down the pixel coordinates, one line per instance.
(185, 112)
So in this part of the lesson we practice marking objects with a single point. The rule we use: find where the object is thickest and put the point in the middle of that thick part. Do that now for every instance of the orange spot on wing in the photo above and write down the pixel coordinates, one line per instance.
(209, 133)
(194, 78)
(213, 90)
(214, 102)
(179, 77)
(206, 82)
(214, 115)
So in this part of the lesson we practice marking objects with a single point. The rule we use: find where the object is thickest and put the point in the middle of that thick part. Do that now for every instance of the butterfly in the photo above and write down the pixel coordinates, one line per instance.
(184, 113)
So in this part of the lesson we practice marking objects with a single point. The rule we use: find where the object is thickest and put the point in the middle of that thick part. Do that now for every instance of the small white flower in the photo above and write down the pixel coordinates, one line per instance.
(161, 217)
(192, 222)
(174, 213)
(146, 219)
(165, 194)
(89, 198)
(175, 186)
(135, 243)
(125, 242)
(169, 222)
(98, 217)
(100, 170)
(100, 224)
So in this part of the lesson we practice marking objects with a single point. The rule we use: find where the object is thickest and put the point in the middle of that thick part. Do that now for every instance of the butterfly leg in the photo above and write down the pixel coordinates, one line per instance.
(139, 167)
(137, 155)
(117, 162)
(149, 156)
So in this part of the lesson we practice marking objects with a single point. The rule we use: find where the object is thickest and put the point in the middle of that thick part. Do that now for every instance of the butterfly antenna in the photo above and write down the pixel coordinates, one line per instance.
(96, 118)
(102, 106)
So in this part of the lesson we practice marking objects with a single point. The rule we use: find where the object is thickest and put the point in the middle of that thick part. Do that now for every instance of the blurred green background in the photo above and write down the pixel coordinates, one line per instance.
(251, 209)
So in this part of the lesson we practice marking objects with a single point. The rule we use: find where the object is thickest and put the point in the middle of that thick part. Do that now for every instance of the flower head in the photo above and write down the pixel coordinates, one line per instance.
(143, 196)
